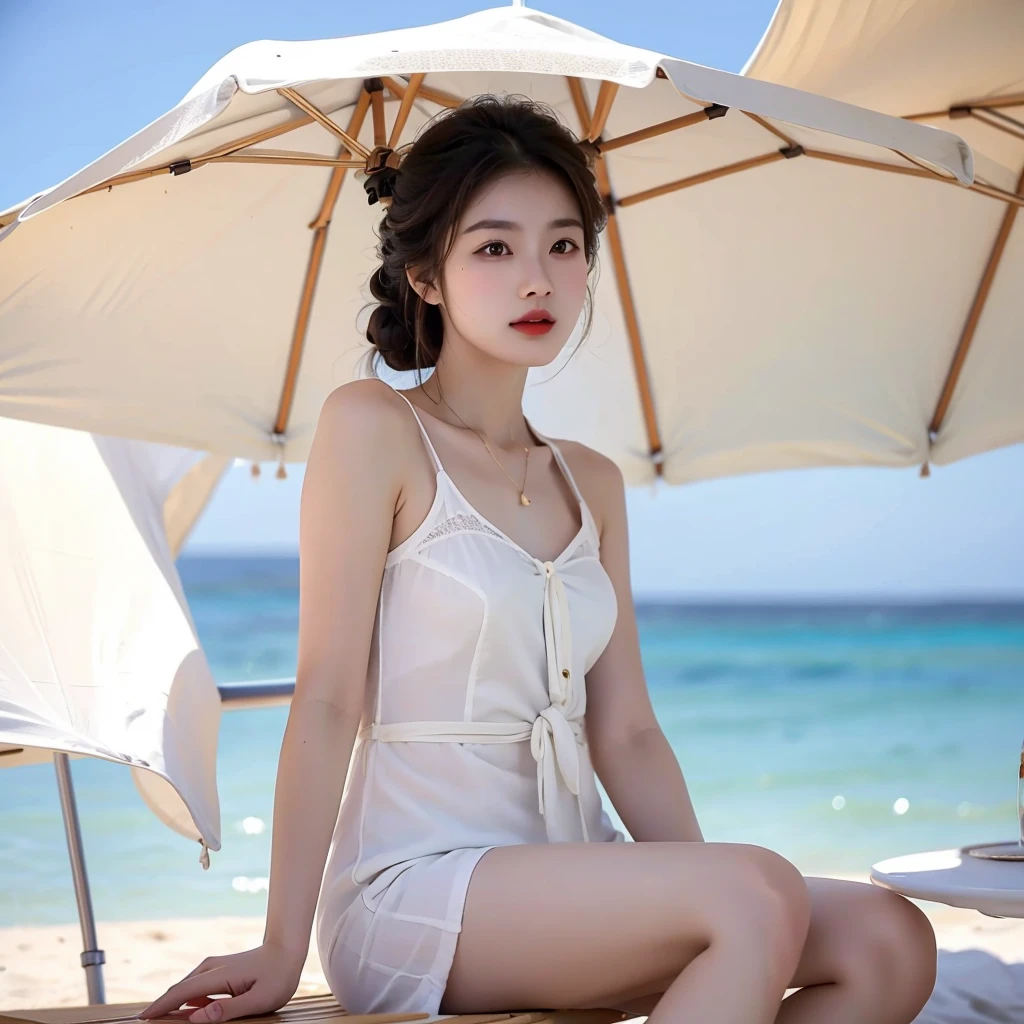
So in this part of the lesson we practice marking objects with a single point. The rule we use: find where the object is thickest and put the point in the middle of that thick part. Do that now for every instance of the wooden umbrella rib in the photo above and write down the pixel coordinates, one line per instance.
(931, 171)
(927, 115)
(320, 227)
(875, 165)
(1014, 199)
(974, 315)
(125, 179)
(602, 108)
(1014, 128)
(768, 127)
(425, 92)
(208, 157)
(380, 131)
(622, 282)
(995, 102)
(333, 190)
(989, 103)
(662, 128)
(322, 119)
(579, 101)
(405, 109)
(700, 179)
(287, 159)
(256, 137)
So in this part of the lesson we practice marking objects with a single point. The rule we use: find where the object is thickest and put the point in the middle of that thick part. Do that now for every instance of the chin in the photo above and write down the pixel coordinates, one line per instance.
(534, 352)
(523, 350)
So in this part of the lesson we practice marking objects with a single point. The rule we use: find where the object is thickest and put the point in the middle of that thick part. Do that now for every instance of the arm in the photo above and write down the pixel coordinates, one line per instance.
(347, 509)
(348, 501)
(630, 753)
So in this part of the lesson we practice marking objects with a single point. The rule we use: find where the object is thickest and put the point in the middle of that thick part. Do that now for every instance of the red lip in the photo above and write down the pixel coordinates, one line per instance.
(534, 314)
(540, 327)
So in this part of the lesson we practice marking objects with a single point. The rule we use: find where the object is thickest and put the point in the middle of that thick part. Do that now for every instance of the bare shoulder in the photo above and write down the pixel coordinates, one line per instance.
(369, 405)
(369, 416)
(598, 478)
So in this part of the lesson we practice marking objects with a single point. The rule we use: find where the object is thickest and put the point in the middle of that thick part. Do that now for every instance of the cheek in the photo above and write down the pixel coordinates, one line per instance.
(573, 278)
(473, 295)
(473, 287)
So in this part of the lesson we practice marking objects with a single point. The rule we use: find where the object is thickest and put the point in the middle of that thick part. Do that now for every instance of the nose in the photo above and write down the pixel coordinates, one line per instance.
(535, 280)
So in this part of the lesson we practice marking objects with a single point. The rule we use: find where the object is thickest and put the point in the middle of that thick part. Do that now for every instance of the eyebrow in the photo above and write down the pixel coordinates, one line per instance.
(508, 225)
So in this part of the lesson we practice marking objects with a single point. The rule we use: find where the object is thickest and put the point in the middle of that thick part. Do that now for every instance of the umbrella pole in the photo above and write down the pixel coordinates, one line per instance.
(92, 957)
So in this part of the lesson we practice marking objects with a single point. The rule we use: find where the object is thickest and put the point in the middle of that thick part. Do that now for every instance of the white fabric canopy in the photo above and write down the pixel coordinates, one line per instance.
(756, 312)
(98, 652)
(958, 66)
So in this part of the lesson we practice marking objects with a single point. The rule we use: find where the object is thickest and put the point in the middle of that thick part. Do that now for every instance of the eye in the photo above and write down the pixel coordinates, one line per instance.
(562, 252)
(488, 246)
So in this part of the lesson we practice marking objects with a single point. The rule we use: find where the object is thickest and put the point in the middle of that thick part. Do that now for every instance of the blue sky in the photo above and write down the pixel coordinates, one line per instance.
(80, 78)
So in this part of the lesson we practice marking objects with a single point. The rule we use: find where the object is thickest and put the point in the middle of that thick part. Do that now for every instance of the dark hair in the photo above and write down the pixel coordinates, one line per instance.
(457, 152)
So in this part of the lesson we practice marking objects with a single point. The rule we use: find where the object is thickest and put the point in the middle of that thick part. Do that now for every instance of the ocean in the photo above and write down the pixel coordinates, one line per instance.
(836, 734)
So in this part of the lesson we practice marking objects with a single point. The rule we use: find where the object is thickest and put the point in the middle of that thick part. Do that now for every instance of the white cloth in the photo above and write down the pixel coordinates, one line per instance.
(98, 652)
(474, 737)
(975, 987)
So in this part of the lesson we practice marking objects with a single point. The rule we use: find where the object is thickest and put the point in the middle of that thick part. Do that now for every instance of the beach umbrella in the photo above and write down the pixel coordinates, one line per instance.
(199, 284)
(957, 67)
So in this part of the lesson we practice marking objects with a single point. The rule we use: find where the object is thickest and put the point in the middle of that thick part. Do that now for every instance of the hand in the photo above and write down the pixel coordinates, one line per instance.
(258, 981)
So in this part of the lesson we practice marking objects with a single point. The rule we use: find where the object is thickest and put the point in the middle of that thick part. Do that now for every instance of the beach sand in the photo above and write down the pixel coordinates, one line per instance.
(39, 965)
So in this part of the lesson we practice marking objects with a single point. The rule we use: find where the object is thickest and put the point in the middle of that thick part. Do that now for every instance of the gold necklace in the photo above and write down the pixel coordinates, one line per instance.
(523, 499)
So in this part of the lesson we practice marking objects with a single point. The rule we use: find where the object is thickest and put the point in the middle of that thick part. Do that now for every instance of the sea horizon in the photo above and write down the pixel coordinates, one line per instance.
(957, 598)
(838, 732)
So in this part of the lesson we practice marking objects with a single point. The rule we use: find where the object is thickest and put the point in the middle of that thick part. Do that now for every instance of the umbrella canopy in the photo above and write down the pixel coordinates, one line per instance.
(199, 284)
(958, 67)
(98, 652)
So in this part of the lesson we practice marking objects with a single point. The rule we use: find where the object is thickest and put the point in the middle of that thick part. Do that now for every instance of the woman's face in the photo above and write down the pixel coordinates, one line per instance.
(518, 248)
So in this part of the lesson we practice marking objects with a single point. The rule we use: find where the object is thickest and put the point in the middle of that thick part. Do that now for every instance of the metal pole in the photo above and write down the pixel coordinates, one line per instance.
(92, 957)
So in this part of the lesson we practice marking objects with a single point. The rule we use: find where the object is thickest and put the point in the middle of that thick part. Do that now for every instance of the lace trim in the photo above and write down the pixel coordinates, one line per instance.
(459, 523)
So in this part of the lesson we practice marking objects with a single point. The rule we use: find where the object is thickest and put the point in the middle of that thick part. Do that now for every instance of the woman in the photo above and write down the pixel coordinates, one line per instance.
(461, 575)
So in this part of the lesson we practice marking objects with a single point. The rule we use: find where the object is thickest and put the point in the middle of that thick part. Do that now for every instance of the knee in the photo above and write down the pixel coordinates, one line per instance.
(788, 889)
(772, 902)
(891, 950)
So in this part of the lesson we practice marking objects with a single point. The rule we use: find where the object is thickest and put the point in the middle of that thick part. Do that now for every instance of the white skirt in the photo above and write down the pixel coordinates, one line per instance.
(391, 949)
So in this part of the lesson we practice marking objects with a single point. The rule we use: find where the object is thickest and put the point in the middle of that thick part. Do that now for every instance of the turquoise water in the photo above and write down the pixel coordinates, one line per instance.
(801, 728)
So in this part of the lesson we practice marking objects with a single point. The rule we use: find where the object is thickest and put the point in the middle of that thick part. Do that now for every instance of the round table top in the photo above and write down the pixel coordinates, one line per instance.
(954, 877)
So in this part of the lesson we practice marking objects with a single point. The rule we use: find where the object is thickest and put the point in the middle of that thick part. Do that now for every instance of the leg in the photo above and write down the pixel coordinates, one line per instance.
(574, 925)
(869, 955)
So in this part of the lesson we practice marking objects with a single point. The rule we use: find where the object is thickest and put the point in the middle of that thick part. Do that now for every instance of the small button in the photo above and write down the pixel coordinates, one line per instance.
(565, 672)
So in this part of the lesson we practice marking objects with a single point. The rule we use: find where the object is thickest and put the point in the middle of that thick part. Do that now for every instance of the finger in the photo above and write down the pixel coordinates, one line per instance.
(220, 1010)
(209, 983)
(190, 1007)
(153, 1006)
(206, 965)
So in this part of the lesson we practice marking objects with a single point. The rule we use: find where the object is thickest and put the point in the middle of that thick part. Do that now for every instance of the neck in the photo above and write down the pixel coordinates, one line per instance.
(486, 394)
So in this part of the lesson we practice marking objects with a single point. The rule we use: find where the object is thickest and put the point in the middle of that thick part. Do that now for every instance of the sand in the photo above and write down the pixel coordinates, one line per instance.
(39, 965)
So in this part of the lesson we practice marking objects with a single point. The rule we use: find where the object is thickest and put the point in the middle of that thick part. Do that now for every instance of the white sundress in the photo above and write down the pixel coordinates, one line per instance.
(473, 737)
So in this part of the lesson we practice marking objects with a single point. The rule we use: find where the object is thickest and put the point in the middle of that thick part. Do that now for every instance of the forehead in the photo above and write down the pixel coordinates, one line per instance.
(529, 198)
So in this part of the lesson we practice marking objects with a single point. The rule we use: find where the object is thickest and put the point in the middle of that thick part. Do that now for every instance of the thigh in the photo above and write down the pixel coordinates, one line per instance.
(585, 924)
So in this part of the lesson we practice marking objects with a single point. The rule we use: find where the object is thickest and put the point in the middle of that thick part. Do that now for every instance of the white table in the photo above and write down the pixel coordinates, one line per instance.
(994, 887)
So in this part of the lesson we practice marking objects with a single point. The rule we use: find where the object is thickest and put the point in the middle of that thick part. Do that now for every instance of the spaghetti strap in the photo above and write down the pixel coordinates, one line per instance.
(563, 465)
(556, 451)
(423, 430)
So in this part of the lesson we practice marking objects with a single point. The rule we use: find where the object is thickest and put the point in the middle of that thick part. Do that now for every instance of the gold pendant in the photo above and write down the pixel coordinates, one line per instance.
(523, 499)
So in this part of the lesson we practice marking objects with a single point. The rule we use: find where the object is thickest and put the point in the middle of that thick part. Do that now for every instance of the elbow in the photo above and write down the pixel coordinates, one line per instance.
(607, 746)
